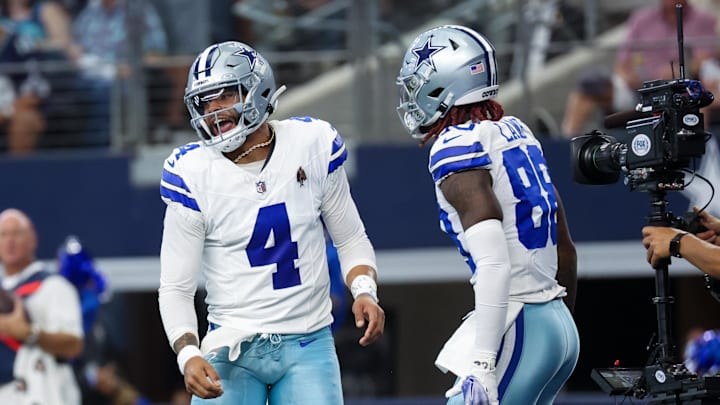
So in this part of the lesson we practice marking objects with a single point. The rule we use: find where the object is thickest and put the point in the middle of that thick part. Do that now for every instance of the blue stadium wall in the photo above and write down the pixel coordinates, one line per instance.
(91, 195)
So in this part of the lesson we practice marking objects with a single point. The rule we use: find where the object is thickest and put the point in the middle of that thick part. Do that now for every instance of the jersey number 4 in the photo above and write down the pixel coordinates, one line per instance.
(273, 221)
(536, 213)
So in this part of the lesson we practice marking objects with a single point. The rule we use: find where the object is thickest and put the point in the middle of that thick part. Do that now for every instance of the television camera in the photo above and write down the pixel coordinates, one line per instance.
(663, 136)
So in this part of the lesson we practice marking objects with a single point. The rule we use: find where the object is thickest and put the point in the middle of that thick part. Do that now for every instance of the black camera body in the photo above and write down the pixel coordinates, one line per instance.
(662, 136)
(677, 131)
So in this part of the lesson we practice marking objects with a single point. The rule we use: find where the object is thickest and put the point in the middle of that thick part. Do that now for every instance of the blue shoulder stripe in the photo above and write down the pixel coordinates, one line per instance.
(460, 165)
(338, 154)
(337, 162)
(455, 151)
(338, 143)
(174, 179)
(457, 158)
(178, 197)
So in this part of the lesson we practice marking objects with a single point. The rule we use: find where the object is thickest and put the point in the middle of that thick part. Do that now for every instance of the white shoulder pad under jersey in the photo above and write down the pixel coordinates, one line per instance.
(521, 182)
(264, 251)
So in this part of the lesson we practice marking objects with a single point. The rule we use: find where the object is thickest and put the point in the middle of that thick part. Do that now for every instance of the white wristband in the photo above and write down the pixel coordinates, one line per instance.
(364, 284)
(186, 353)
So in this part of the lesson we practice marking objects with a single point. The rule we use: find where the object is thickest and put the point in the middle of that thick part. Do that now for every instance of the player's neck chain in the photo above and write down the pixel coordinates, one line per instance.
(257, 146)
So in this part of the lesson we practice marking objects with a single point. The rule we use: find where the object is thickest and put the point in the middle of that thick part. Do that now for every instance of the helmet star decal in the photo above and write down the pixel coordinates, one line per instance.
(250, 54)
(425, 53)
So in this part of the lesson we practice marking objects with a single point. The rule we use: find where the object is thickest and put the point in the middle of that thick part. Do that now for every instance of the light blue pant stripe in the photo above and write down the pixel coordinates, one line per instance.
(518, 330)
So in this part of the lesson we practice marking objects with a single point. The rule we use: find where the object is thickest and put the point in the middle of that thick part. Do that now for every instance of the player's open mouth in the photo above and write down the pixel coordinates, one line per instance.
(223, 125)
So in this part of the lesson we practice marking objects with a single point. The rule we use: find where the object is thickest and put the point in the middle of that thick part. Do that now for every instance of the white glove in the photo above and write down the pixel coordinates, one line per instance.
(478, 388)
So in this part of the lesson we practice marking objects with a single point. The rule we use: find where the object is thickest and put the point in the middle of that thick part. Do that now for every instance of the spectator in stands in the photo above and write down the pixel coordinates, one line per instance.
(646, 54)
(32, 31)
(43, 331)
(101, 31)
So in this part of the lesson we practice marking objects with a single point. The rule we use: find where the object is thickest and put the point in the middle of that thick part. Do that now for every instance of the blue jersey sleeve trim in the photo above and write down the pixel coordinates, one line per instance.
(178, 197)
(337, 162)
(338, 154)
(174, 179)
(452, 167)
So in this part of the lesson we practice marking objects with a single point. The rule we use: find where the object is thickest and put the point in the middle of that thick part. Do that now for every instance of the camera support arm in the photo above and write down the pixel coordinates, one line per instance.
(659, 216)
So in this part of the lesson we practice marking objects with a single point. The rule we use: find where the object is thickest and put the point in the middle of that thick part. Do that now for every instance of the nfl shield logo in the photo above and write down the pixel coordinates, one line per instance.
(260, 187)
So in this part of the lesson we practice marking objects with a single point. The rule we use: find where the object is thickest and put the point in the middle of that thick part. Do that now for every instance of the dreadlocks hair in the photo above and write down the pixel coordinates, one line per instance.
(460, 114)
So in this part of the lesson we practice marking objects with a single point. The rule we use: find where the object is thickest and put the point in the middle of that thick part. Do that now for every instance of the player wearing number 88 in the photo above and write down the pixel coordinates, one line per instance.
(497, 202)
(246, 206)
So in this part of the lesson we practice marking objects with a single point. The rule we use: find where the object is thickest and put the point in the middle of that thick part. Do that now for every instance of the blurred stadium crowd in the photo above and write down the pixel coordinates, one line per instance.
(109, 75)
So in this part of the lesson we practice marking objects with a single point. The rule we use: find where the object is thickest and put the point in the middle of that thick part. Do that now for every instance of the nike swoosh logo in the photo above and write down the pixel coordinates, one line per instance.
(171, 163)
(304, 343)
(446, 140)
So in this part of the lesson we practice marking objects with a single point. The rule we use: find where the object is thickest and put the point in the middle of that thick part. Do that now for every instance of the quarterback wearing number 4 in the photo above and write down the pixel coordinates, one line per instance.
(497, 202)
(246, 207)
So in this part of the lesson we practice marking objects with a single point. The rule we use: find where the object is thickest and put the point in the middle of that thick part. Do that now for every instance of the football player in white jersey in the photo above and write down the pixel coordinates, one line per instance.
(246, 207)
(497, 202)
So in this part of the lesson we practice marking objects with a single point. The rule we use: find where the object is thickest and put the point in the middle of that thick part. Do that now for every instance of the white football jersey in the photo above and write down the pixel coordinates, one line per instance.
(263, 247)
(522, 185)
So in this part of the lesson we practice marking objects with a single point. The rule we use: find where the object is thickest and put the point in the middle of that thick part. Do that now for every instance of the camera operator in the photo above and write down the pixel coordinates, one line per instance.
(701, 249)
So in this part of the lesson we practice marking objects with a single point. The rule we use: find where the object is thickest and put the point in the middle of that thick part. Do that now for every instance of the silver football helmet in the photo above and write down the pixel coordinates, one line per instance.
(446, 66)
(230, 71)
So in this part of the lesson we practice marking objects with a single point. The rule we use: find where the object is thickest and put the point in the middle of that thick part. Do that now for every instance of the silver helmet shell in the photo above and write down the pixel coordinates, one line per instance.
(443, 67)
(230, 66)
